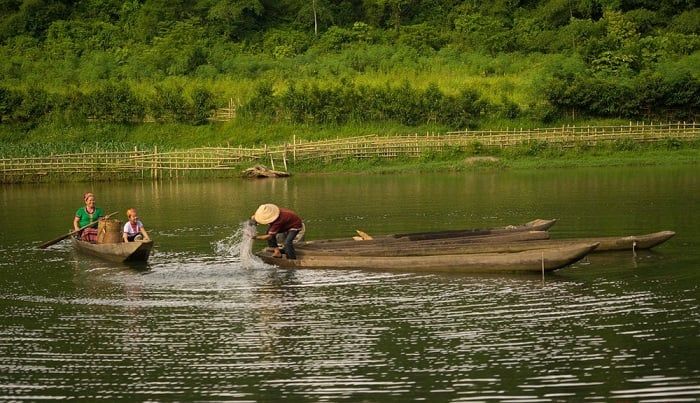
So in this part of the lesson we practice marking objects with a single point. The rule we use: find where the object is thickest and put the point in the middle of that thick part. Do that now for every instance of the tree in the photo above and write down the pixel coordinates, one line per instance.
(146, 20)
(687, 22)
(483, 32)
(620, 51)
(391, 11)
(9, 102)
(315, 12)
(233, 17)
(32, 17)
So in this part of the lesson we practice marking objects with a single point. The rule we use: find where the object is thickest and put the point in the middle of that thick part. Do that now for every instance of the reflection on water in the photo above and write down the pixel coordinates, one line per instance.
(199, 322)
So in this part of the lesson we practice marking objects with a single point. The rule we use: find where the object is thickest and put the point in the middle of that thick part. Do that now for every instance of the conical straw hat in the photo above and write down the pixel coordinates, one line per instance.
(266, 213)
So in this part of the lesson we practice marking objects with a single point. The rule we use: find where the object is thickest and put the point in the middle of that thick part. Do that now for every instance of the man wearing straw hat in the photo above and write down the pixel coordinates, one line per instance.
(285, 227)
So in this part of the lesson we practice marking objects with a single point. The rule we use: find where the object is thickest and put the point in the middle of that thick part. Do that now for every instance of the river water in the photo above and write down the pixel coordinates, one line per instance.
(201, 322)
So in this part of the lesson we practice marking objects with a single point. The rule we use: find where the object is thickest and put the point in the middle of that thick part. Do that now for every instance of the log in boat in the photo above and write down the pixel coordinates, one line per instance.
(503, 244)
(536, 260)
(534, 225)
(136, 251)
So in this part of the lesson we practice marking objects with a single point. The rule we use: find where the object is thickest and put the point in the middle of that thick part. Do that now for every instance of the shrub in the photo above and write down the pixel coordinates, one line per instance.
(349, 103)
(262, 103)
(334, 38)
(509, 109)
(463, 110)
(202, 105)
(115, 103)
(285, 43)
(536, 148)
(36, 104)
(688, 22)
(9, 102)
(625, 145)
(673, 144)
(421, 37)
(168, 104)
(476, 148)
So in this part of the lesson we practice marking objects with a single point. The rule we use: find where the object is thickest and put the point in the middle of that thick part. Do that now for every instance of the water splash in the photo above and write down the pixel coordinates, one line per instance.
(240, 245)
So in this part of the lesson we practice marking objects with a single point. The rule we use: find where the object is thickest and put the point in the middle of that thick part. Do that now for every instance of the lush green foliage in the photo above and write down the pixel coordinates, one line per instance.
(107, 102)
(449, 63)
(358, 104)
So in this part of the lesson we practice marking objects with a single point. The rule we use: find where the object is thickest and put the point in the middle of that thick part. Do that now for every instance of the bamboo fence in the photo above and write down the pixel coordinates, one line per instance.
(225, 114)
(159, 164)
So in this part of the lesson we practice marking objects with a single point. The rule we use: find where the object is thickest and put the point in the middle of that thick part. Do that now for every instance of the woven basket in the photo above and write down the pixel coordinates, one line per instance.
(109, 231)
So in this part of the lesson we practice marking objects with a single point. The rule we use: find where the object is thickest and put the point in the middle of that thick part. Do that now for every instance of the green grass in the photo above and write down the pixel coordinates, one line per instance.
(515, 158)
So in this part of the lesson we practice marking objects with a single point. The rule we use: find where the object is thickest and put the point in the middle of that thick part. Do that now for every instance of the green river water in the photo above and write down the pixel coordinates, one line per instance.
(199, 323)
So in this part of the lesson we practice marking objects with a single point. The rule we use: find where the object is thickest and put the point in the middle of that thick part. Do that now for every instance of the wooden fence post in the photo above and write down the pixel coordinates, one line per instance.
(284, 157)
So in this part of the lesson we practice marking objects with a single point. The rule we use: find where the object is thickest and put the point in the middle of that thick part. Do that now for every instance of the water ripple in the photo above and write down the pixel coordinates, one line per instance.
(203, 326)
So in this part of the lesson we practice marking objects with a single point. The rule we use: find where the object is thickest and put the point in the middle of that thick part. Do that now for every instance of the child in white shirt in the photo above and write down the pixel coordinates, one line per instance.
(133, 229)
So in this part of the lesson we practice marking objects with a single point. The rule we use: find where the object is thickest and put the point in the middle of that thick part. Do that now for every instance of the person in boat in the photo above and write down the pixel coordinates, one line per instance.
(285, 227)
(85, 215)
(134, 229)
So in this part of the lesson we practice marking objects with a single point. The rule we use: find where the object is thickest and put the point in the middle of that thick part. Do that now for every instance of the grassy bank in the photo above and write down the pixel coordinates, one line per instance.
(625, 145)
(453, 161)
(56, 137)
(516, 158)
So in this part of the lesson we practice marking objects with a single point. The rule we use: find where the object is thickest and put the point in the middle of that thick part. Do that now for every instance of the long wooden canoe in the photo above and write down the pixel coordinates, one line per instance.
(490, 238)
(537, 260)
(495, 245)
(136, 251)
(359, 247)
(534, 225)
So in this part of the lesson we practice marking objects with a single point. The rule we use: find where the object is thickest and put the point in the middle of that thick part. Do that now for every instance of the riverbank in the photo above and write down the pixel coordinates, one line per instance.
(639, 144)
(684, 154)
(594, 158)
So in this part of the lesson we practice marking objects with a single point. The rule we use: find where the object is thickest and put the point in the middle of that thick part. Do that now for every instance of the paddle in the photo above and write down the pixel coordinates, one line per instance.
(62, 237)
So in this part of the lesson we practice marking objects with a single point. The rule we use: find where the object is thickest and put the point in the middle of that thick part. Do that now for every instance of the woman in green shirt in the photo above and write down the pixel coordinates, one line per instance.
(86, 215)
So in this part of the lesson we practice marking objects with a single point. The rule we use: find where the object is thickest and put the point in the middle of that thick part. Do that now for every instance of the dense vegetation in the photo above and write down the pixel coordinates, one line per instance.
(74, 71)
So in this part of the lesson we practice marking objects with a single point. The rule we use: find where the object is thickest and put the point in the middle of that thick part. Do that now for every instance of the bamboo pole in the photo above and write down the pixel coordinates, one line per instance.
(284, 157)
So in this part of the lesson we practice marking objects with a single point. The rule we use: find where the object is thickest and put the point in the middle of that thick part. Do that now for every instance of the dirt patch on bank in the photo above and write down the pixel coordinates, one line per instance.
(480, 160)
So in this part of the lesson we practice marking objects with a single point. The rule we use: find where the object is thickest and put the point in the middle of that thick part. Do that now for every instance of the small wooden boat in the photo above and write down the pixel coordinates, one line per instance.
(536, 260)
(136, 251)
(507, 244)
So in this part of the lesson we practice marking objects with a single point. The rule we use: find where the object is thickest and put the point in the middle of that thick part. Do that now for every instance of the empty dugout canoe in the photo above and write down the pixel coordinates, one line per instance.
(535, 225)
(634, 242)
